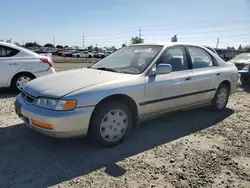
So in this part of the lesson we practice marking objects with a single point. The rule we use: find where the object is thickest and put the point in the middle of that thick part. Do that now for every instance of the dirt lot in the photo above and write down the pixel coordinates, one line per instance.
(196, 148)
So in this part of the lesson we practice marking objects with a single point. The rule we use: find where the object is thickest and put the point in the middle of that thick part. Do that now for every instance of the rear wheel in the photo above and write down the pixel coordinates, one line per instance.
(19, 81)
(111, 123)
(78, 56)
(220, 98)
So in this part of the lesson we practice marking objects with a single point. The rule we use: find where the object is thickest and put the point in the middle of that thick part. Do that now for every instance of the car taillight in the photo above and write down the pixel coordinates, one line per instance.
(46, 60)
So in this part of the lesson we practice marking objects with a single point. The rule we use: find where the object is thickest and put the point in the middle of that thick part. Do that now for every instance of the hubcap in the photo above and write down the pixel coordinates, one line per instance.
(114, 125)
(222, 98)
(22, 81)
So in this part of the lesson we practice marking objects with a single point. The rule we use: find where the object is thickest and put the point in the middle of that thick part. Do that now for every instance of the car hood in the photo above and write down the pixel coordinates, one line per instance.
(59, 84)
(240, 61)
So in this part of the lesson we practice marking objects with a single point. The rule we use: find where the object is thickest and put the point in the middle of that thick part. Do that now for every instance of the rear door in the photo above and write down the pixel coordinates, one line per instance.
(205, 72)
(8, 67)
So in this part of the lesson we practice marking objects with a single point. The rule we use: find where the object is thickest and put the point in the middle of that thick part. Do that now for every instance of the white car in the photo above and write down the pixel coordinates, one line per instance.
(19, 65)
(83, 54)
(136, 82)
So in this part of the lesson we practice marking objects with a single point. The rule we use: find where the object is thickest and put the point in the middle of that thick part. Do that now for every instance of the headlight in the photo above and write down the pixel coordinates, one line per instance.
(55, 104)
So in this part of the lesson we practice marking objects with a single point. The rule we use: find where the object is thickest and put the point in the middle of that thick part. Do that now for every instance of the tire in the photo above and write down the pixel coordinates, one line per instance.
(220, 99)
(20, 80)
(89, 56)
(111, 132)
(78, 56)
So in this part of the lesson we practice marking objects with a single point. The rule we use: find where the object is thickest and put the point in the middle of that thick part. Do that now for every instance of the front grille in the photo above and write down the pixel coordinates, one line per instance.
(27, 97)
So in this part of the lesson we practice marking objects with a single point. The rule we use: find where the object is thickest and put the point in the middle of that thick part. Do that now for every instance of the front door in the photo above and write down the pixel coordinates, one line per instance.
(171, 91)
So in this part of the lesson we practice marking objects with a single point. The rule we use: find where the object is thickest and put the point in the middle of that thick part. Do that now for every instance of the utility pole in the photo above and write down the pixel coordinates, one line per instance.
(54, 43)
(83, 40)
(218, 41)
(140, 32)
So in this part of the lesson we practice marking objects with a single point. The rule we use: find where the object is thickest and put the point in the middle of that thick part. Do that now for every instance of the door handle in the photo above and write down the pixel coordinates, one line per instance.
(218, 74)
(189, 78)
(13, 64)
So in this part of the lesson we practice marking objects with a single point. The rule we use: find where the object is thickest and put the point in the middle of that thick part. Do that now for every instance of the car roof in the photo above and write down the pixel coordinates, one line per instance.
(24, 50)
(8, 44)
(166, 44)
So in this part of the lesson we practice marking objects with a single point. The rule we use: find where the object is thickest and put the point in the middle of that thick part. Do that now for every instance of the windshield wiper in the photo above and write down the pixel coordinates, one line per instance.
(107, 69)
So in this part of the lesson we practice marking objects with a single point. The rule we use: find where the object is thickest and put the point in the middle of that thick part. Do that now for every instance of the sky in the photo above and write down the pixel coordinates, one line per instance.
(114, 22)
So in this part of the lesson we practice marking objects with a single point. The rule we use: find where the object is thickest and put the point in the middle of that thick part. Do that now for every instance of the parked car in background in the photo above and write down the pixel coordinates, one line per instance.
(245, 75)
(19, 65)
(107, 53)
(68, 53)
(83, 54)
(135, 82)
(212, 49)
(99, 54)
(241, 60)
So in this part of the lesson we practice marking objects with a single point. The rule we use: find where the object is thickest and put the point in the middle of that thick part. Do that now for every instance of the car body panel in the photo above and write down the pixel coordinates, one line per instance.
(152, 94)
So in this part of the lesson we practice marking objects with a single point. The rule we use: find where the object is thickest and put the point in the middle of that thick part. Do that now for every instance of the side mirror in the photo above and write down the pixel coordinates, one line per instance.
(161, 69)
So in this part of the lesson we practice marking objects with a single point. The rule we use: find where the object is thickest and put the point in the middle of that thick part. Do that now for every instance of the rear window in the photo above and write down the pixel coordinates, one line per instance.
(7, 52)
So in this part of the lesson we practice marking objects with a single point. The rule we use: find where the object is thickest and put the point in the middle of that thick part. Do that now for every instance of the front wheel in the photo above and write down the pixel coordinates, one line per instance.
(111, 123)
(220, 98)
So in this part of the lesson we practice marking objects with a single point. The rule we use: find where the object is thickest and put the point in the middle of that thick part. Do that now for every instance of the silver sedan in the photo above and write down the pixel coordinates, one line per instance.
(112, 96)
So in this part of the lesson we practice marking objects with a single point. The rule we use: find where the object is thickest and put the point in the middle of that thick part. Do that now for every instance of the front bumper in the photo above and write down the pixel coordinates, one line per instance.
(66, 124)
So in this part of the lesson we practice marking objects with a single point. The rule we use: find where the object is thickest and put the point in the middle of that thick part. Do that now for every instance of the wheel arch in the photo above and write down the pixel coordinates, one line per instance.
(227, 83)
(119, 97)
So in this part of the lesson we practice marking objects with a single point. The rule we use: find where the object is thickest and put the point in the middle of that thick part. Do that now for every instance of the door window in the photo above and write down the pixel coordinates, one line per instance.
(7, 52)
(200, 58)
(176, 57)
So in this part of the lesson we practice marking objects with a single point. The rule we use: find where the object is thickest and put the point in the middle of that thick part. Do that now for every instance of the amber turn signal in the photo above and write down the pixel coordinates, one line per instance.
(69, 105)
(41, 124)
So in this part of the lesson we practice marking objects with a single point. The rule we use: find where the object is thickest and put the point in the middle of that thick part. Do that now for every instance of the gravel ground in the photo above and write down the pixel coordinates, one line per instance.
(196, 148)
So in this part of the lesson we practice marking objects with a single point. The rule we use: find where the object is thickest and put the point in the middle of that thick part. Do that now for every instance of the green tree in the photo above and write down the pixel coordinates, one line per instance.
(113, 48)
(66, 46)
(137, 40)
(32, 45)
(240, 48)
(247, 48)
(49, 45)
(90, 48)
(59, 46)
(174, 38)
(96, 49)
(123, 45)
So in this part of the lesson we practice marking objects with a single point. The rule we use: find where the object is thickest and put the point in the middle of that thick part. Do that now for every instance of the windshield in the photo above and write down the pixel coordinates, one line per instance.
(130, 59)
(243, 57)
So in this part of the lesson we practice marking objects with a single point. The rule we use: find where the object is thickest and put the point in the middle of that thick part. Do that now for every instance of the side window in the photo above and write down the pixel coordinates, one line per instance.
(200, 58)
(176, 57)
(7, 52)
